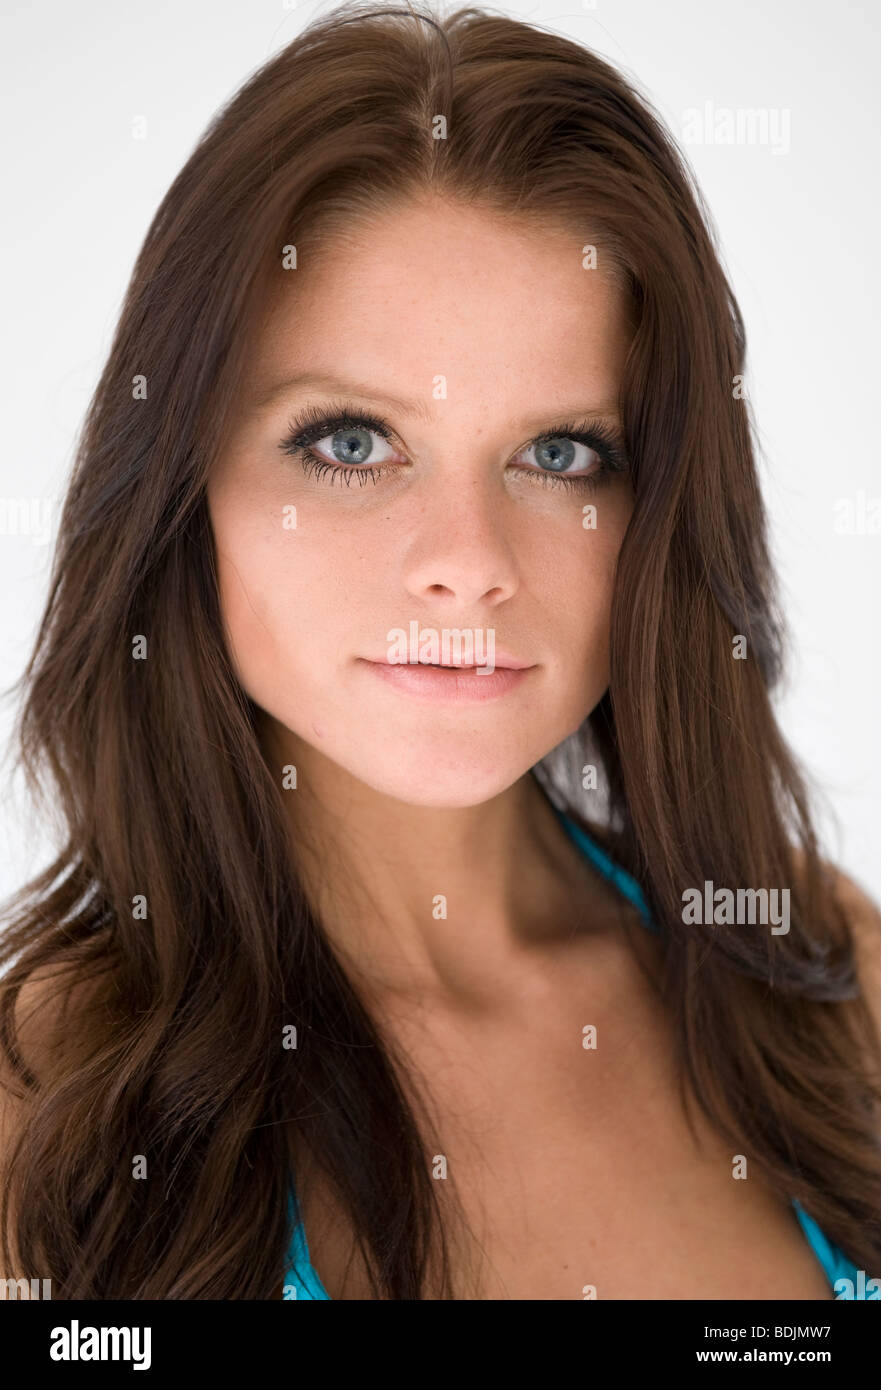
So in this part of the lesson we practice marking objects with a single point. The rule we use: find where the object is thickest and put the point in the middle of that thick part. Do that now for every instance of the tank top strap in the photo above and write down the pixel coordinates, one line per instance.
(835, 1263)
(616, 875)
(301, 1280)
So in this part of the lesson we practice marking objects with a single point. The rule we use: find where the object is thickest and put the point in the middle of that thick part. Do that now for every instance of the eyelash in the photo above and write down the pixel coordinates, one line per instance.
(314, 423)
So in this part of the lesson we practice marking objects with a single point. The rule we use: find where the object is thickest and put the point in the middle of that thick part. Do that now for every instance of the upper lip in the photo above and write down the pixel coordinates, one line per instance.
(498, 658)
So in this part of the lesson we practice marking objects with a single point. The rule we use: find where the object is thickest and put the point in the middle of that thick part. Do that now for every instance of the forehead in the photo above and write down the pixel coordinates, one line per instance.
(436, 289)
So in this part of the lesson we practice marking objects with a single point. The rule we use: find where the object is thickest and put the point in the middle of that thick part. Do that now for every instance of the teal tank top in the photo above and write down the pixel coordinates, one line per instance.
(301, 1280)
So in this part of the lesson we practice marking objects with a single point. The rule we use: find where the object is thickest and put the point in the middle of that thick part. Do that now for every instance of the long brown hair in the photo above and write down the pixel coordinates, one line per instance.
(172, 1045)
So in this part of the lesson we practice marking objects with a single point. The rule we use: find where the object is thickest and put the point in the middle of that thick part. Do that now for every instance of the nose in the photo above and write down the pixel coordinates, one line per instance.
(462, 552)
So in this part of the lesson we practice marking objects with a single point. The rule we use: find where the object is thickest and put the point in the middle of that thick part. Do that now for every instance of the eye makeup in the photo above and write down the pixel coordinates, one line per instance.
(315, 423)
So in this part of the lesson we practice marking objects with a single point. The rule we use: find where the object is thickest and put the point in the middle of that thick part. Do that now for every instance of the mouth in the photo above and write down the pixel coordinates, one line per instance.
(501, 660)
(450, 682)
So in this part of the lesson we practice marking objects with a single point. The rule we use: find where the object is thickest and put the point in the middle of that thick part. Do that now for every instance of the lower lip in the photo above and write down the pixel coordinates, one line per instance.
(449, 683)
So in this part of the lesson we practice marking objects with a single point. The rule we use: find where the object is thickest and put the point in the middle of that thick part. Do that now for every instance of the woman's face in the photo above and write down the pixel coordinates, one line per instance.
(466, 336)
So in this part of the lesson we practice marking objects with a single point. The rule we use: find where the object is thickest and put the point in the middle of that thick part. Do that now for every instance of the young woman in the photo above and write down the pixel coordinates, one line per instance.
(439, 913)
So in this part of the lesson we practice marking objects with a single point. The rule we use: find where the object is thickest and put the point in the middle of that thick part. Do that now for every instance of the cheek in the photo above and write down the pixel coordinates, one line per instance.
(584, 580)
(255, 585)
(588, 571)
(279, 589)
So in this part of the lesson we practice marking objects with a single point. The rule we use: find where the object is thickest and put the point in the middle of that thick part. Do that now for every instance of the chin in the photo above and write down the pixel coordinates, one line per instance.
(465, 782)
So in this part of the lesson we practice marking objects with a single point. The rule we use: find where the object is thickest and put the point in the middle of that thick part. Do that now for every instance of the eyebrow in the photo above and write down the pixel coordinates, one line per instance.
(322, 381)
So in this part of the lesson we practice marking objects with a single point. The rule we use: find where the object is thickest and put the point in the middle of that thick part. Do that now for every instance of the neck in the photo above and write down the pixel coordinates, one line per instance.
(428, 902)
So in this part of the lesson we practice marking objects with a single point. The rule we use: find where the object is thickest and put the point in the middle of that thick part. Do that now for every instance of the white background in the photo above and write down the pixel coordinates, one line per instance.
(798, 233)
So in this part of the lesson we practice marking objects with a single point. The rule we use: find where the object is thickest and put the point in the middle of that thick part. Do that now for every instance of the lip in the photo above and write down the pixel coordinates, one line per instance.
(500, 658)
(449, 684)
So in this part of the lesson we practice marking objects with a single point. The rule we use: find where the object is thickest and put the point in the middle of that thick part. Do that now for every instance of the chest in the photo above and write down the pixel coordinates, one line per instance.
(558, 1133)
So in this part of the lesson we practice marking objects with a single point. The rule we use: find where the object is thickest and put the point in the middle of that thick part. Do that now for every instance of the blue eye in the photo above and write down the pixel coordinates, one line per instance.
(554, 456)
(559, 453)
(566, 456)
(352, 446)
(349, 432)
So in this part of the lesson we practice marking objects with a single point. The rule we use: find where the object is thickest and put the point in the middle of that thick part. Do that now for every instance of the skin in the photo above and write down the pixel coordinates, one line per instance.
(415, 799)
